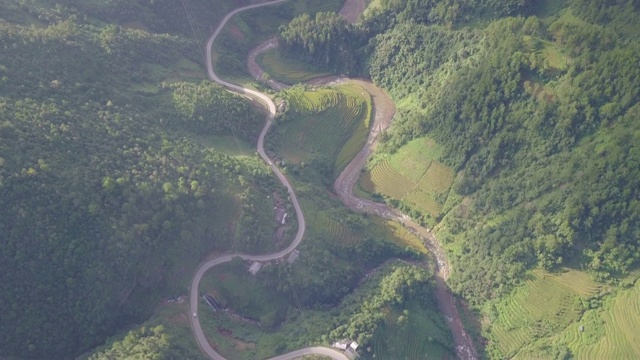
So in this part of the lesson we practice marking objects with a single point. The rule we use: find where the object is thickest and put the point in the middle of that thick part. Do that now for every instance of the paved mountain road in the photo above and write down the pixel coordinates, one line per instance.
(194, 296)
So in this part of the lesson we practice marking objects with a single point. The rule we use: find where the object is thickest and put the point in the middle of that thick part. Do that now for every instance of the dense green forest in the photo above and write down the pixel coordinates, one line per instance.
(537, 112)
(106, 189)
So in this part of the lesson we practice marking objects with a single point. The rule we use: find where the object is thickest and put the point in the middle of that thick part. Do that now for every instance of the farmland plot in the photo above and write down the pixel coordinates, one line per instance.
(412, 175)
(329, 124)
(545, 305)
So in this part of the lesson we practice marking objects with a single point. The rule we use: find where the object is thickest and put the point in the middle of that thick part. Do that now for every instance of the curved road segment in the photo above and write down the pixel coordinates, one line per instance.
(195, 322)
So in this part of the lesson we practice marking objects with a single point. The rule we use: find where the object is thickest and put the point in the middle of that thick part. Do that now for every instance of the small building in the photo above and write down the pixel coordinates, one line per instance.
(351, 350)
(293, 256)
(282, 107)
(341, 345)
(255, 267)
(280, 215)
(212, 302)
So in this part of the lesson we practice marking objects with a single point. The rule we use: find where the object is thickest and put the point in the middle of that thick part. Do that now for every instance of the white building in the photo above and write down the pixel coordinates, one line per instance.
(255, 267)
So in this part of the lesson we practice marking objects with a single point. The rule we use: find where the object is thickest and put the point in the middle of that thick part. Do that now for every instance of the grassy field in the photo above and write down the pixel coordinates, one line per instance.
(233, 286)
(412, 175)
(236, 332)
(420, 335)
(330, 124)
(398, 234)
(154, 74)
(545, 305)
(286, 70)
(548, 51)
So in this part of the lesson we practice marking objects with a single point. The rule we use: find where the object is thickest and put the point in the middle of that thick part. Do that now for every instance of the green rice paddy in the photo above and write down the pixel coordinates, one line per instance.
(547, 304)
(412, 175)
(331, 228)
(287, 70)
(330, 123)
(610, 332)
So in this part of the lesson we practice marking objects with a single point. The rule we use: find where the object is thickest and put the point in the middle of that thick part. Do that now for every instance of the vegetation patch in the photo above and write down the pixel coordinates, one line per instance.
(251, 27)
(287, 70)
(416, 332)
(325, 128)
(545, 54)
(235, 289)
(394, 321)
(399, 234)
(167, 334)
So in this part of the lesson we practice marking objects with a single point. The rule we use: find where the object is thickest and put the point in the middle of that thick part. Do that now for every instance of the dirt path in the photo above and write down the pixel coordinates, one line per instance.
(384, 110)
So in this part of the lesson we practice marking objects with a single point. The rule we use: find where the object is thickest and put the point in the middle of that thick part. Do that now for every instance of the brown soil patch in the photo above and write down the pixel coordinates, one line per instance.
(136, 25)
(352, 9)
(224, 331)
(241, 345)
(236, 33)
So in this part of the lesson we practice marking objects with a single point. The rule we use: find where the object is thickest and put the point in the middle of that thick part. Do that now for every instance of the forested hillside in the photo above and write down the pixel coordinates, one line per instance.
(106, 189)
(537, 113)
(539, 117)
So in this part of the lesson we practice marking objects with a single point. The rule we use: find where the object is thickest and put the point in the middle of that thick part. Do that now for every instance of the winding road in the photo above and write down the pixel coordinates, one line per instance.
(194, 296)
(343, 186)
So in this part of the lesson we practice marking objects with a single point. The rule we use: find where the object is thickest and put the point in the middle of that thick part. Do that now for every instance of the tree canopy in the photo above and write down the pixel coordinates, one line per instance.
(105, 185)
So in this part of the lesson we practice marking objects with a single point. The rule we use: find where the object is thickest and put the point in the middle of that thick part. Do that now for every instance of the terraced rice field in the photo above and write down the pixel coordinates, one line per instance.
(330, 123)
(423, 200)
(618, 338)
(385, 180)
(412, 175)
(337, 231)
(351, 148)
(330, 228)
(286, 70)
(415, 158)
(544, 306)
(436, 179)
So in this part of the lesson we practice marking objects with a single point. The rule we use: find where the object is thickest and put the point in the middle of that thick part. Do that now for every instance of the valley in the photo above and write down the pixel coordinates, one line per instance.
(246, 179)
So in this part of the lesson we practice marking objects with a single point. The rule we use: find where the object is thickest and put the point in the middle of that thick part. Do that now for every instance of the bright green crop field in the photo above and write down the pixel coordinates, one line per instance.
(286, 70)
(330, 125)
(412, 175)
(565, 313)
